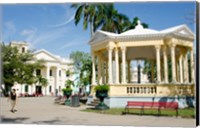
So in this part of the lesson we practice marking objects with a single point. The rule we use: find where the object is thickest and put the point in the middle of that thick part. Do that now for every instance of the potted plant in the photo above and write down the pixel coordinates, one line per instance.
(101, 93)
(67, 92)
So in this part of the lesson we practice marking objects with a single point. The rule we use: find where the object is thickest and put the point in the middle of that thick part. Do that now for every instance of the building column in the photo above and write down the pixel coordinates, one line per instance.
(186, 78)
(173, 63)
(192, 65)
(110, 80)
(47, 77)
(129, 71)
(165, 64)
(57, 81)
(117, 65)
(123, 49)
(158, 63)
(93, 69)
(181, 68)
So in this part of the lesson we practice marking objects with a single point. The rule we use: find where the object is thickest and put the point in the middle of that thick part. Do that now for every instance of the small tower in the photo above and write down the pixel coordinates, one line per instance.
(21, 46)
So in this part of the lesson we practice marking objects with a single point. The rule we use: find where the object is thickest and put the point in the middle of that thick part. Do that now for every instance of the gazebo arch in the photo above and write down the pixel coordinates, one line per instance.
(112, 54)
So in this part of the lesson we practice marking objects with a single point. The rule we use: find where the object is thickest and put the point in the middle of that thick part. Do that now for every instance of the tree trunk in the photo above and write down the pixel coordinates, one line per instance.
(91, 30)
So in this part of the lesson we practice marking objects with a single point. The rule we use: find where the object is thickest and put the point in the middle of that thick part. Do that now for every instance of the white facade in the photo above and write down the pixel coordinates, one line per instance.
(54, 71)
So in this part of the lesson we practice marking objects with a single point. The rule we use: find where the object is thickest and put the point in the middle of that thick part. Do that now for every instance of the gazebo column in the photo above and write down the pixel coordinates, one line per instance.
(106, 71)
(99, 70)
(103, 72)
(123, 49)
(93, 70)
(192, 65)
(117, 66)
(120, 72)
(165, 64)
(186, 68)
(181, 68)
(177, 73)
(110, 80)
(129, 71)
(152, 71)
(158, 63)
(173, 63)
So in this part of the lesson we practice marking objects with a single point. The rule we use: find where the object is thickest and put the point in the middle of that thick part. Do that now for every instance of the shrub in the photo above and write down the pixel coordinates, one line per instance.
(102, 88)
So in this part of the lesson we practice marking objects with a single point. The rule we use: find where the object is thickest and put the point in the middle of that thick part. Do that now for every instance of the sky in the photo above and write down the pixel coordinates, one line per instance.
(51, 26)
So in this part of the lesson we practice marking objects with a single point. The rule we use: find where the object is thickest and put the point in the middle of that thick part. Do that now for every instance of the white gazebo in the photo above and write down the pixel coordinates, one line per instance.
(112, 54)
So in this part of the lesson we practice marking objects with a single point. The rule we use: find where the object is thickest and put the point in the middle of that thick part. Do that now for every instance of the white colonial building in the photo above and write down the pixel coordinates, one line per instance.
(54, 70)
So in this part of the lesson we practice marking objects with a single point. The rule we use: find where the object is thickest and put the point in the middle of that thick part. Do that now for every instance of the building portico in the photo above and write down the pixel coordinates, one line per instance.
(174, 45)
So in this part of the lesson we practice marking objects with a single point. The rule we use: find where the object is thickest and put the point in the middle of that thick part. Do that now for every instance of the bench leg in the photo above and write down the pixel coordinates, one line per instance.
(159, 112)
(176, 113)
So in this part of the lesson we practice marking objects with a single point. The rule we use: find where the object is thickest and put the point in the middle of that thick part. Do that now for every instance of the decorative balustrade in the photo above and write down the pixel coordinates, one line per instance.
(146, 90)
(141, 90)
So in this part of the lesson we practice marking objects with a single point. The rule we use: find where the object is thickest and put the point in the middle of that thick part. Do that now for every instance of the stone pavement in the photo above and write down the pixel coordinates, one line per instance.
(42, 110)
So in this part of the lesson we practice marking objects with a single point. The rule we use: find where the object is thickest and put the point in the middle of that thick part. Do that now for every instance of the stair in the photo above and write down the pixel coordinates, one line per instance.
(95, 102)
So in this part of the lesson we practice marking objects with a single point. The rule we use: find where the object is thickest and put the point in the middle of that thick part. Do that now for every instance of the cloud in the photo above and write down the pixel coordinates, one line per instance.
(49, 36)
(9, 30)
(10, 27)
(28, 32)
(64, 23)
(73, 43)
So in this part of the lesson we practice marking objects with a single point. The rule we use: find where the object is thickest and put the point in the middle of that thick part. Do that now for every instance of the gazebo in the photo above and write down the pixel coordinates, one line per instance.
(112, 55)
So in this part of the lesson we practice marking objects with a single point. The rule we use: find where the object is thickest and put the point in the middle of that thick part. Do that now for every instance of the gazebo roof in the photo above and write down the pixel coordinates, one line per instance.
(181, 31)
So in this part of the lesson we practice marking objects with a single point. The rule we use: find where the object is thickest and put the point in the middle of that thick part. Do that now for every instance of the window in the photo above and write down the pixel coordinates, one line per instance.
(59, 72)
(38, 72)
(26, 88)
(49, 88)
(50, 73)
(23, 49)
(67, 73)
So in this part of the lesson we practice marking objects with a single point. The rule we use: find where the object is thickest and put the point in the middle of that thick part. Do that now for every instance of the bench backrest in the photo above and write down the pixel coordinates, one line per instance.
(152, 104)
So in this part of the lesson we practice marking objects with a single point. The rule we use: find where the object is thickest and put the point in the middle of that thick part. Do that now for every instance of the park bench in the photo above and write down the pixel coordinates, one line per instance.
(60, 100)
(151, 105)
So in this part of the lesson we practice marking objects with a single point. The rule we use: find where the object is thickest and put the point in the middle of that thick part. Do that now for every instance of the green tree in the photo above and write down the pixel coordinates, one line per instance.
(83, 67)
(91, 13)
(17, 67)
(133, 24)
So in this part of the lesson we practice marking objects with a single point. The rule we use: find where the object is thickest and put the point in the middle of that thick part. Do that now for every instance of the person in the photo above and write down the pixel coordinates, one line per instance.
(13, 100)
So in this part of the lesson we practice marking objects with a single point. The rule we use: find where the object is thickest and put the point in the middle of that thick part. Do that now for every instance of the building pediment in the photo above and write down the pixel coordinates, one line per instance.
(45, 55)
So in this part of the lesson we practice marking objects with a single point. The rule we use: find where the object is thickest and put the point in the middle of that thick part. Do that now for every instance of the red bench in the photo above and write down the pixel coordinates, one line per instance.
(151, 105)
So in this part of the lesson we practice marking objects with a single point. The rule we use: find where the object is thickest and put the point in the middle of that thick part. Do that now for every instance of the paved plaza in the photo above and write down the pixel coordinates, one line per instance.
(42, 110)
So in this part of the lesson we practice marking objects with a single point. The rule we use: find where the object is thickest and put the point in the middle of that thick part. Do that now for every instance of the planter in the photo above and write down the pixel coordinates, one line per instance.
(67, 94)
(101, 95)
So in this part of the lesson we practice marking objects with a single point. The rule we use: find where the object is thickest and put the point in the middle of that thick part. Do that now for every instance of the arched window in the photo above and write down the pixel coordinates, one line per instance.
(23, 49)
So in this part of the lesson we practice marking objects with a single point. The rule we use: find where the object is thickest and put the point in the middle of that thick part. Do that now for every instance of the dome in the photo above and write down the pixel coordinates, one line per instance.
(139, 30)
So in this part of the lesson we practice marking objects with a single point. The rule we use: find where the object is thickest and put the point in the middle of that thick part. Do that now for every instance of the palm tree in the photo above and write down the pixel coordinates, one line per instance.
(113, 21)
(90, 13)
(133, 24)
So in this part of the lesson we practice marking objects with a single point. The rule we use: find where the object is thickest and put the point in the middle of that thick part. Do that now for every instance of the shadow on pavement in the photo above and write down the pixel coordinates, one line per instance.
(56, 121)
(13, 120)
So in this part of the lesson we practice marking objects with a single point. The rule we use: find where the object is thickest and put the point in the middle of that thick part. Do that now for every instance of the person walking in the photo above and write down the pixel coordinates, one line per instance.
(13, 100)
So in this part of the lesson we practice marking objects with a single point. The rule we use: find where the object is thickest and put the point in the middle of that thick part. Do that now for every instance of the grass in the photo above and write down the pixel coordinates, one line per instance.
(184, 113)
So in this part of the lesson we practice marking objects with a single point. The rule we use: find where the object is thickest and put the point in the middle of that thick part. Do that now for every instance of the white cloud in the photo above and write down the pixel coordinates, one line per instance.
(64, 23)
(67, 17)
(10, 27)
(49, 36)
(73, 43)
(28, 32)
(10, 30)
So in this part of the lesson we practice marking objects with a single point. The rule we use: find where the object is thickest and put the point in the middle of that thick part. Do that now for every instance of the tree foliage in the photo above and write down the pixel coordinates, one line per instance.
(17, 67)
(83, 67)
